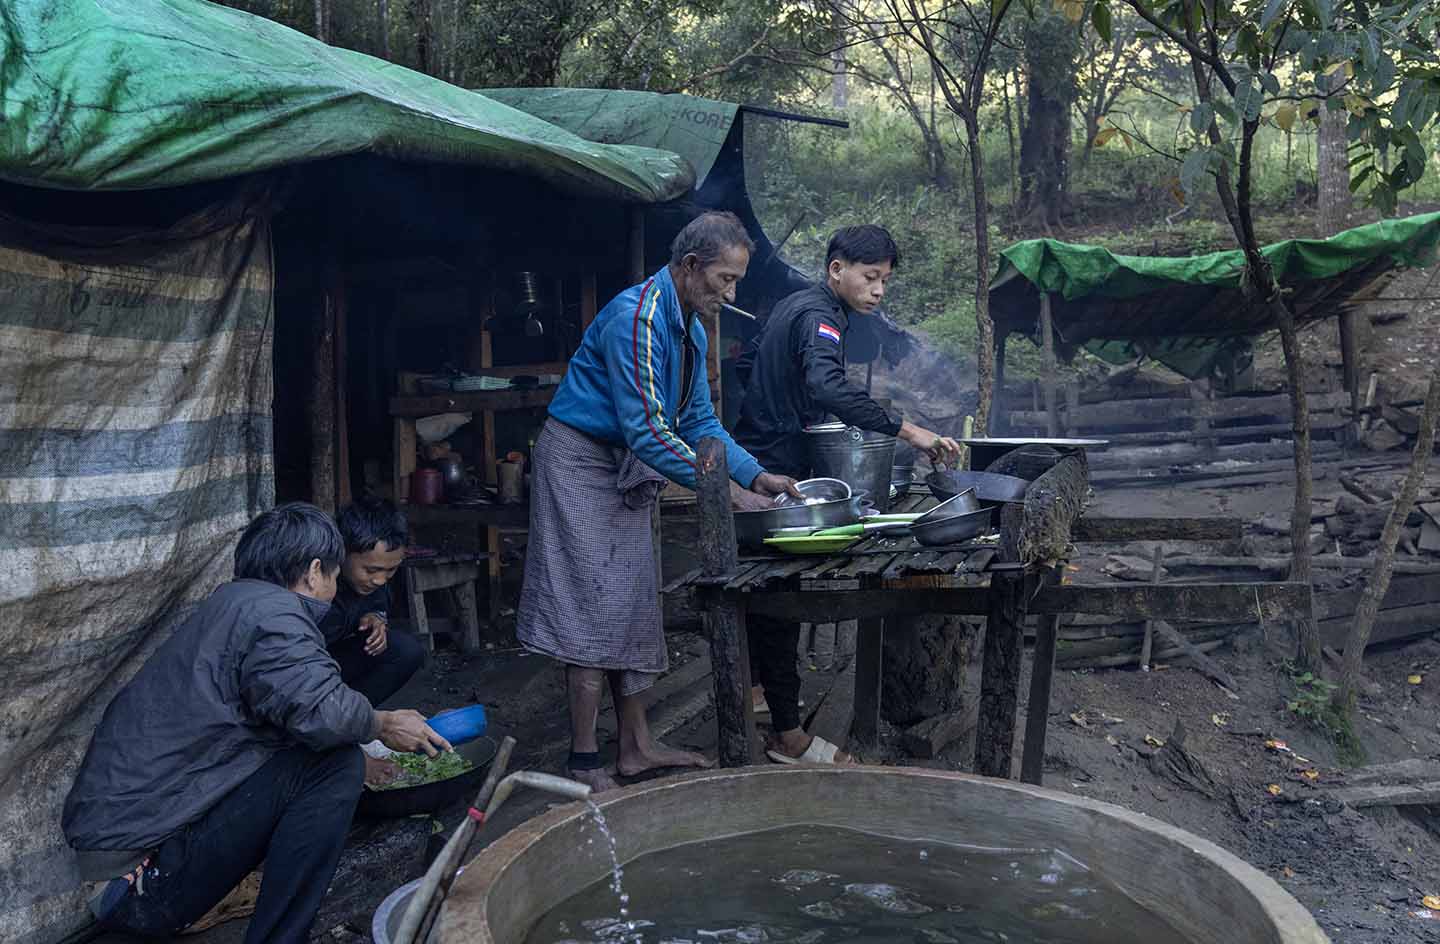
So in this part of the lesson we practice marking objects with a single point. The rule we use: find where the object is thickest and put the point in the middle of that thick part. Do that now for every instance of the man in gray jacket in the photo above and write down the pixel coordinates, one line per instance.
(234, 743)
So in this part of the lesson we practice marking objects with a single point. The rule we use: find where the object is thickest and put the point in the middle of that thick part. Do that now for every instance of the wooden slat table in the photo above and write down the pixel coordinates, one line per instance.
(881, 577)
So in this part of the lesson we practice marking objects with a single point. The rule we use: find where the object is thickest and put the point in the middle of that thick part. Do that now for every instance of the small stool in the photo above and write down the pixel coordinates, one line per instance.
(455, 573)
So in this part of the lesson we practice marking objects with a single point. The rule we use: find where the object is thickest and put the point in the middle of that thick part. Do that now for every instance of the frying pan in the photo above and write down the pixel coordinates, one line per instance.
(990, 487)
(429, 797)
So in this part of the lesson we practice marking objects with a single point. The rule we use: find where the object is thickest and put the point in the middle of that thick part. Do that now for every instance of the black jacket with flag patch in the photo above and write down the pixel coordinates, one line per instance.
(794, 376)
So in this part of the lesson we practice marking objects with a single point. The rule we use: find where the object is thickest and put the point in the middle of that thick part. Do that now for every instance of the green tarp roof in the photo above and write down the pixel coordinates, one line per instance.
(1120, 306)
(695, 128)
(141, 94)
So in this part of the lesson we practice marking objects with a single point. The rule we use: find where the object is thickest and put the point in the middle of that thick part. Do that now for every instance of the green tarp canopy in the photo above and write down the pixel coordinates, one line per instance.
(143, 94)
(1188, 311)
(694, 128)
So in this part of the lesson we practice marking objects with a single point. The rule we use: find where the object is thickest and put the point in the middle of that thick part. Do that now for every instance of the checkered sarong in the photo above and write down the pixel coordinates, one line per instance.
(590, 596)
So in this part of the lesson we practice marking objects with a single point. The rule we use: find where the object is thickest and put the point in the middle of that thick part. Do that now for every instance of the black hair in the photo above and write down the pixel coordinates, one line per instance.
(867, 245)
(279, 545)
(708, 236)
(368, 522)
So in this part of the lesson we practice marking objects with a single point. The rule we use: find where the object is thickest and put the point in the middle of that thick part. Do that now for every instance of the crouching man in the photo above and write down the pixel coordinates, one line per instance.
(234, 743)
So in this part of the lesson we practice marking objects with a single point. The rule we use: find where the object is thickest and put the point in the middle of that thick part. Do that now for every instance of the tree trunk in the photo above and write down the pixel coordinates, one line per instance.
(383, 9)
(839, 82)
(1379, 582)
(924, 666)
(419, 13)
(1333, 172)
(322, 21)
(985, 328)
(1051, 48)
(1044, 157)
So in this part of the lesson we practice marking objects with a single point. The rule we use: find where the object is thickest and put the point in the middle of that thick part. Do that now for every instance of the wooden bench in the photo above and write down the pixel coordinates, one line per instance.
(456, 574)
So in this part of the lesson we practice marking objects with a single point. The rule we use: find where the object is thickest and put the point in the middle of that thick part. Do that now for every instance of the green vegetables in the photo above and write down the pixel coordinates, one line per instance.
(417, 769)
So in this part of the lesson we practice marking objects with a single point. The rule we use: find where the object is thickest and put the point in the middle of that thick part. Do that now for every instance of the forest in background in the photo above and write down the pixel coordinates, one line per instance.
(1081, 137)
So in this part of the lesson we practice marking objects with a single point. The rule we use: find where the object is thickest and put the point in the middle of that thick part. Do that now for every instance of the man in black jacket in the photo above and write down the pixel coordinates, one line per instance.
(234, 743)
(794, 377)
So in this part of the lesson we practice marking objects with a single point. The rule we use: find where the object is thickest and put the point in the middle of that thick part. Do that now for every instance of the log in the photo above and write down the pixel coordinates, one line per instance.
(1413, 794)
(1280, 565)
(1069, 653)
(1052, 504)
(1390, 625)
(1187, 453)
(928, 738)
(1206, 665)
(1130, 658)
(1175, 763)
(1099, 530)
(1148, 642)
(323, 397)
(1116, 414)
(1410, 770)
(729, 654)
(1026, 462)
(869, 656)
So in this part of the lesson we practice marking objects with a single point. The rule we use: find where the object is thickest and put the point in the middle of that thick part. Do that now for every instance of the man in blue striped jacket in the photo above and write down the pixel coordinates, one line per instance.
(634, 402)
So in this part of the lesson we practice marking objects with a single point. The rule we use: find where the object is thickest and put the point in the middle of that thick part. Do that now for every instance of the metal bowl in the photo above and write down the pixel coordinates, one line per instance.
(964, 503)
(752, 527)
(954, 529)
(815, 491)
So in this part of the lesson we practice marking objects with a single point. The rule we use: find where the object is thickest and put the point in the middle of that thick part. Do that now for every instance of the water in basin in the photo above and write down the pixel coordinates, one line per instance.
(813, 885)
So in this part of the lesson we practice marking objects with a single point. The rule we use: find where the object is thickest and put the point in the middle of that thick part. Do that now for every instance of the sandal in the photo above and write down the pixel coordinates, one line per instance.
(820, 751)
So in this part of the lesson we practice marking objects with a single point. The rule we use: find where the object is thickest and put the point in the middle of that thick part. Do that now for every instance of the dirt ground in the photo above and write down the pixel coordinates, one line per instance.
(1361, 873)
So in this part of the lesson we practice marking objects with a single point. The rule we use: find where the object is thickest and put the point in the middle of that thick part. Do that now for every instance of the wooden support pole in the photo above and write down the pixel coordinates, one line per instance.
(999, 420)
(1000, 663)
(869, 659)
(635, 258)
(1047, 366)
(1149, 640)
(322, 408)
(1350, 340)
(1037, 709)
(724, 619)
(339, 301)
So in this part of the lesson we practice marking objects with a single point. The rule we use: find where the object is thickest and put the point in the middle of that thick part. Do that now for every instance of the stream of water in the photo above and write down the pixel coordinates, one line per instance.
(814, 885)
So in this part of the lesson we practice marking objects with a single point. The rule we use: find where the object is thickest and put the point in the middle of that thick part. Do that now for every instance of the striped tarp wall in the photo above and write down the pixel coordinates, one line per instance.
(135, 390)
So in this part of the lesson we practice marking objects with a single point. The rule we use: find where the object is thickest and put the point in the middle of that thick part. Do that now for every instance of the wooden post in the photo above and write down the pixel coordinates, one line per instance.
(1003, 651)
(1350, 356)
(1148, 641)
(724, 621)
(322, 408)
(999, 422)
(1037, 709)
(1047, 366)
(636, 247)
(339, 301)
(589, 301)
(869, 660)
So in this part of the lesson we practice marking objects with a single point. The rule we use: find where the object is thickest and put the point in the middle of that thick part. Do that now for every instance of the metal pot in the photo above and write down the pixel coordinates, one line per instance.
(861, 459)
(753, 527)
(991, 487)
(452, 472)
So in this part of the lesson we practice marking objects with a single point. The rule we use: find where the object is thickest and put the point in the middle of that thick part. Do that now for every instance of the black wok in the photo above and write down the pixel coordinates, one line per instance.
(432, 796)
(990, 487)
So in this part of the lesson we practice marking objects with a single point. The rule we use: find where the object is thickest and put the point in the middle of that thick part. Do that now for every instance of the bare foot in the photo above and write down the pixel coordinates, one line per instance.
(598, 779)
(658, 756)
(379, 772)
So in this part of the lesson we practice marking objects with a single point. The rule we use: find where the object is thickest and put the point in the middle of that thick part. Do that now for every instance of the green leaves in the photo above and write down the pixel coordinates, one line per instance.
(1100, 19)
(1201, 116)
(1195, 173)
(1249, 99)
(1273, 9)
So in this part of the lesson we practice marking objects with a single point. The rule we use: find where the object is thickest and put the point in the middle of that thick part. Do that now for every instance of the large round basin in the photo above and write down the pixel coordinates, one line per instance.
(1203, 891)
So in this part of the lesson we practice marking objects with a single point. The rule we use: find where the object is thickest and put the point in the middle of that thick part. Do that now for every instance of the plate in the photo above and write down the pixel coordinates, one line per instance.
(812, 545)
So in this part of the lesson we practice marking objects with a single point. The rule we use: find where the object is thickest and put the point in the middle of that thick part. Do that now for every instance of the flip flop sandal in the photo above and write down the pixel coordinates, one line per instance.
(761, 709)
(820, 751)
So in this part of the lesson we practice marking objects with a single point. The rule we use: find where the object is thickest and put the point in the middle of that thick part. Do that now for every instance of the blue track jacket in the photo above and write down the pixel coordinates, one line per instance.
(625, 385)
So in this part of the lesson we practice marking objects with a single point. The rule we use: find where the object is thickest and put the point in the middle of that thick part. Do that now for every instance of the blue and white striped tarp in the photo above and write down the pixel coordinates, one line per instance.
(135, 445)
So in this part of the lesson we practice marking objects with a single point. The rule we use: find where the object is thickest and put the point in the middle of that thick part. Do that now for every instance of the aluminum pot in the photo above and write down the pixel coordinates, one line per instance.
(861, 459)
(753, 527)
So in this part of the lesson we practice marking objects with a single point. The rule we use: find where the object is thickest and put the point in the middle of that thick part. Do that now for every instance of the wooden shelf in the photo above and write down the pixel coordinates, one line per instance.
(488, 516)
(478, 402)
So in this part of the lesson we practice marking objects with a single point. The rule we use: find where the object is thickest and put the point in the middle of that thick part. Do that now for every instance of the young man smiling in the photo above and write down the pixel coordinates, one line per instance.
(794, 376)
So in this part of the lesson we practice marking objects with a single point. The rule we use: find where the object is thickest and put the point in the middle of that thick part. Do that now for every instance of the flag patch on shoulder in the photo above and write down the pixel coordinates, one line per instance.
(828, 331)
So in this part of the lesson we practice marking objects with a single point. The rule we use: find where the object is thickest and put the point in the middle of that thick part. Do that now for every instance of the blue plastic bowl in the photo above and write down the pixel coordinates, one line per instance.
(461, 725)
